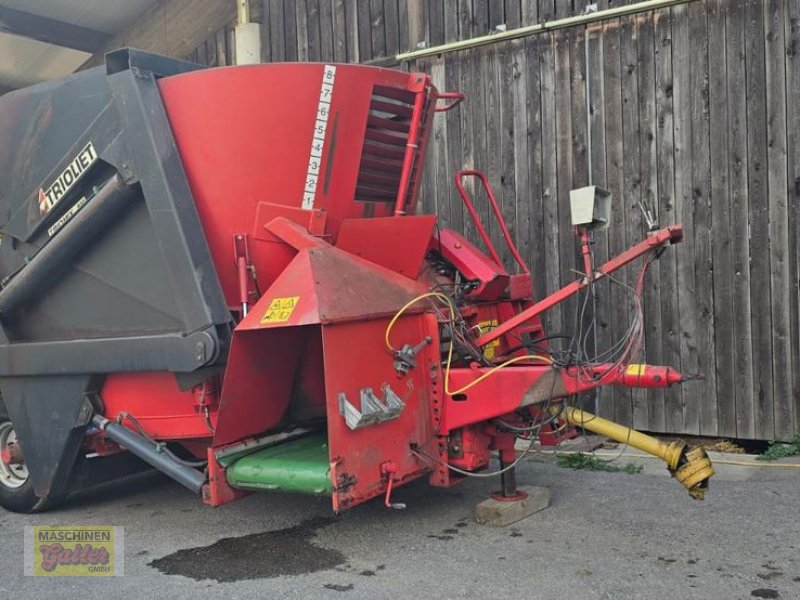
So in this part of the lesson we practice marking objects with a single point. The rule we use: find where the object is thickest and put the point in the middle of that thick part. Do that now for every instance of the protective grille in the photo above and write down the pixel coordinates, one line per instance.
(388, 127)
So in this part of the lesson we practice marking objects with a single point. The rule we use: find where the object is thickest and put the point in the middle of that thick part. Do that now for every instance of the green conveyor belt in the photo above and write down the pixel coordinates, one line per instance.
(299, 466)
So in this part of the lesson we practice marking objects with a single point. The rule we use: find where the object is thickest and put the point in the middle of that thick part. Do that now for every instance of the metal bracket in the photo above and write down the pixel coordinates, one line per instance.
(404, 358)
(373, 409)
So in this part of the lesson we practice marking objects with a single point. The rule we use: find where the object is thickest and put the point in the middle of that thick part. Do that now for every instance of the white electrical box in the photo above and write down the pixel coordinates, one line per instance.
(590, 207)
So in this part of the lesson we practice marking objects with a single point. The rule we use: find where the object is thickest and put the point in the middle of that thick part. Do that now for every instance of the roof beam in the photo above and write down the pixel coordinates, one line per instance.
(51, 31)
(172, 27)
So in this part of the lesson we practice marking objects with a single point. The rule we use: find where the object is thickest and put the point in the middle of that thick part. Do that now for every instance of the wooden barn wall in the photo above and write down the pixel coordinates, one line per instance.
(693, 111)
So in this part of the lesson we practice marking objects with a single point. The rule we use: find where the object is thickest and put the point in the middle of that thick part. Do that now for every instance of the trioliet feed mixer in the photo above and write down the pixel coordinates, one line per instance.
(222, 273)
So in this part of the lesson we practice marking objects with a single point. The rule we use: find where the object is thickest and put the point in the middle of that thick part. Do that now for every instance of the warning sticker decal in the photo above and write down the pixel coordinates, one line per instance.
(485, 327)
(280, 309)
(635, 369)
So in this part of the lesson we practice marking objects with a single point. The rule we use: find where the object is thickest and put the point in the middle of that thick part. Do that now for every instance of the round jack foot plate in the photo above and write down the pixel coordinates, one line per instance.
(515, 498)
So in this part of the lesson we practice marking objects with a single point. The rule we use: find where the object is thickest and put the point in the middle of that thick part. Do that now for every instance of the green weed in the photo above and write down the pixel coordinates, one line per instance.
(592, 463)
(778, 450)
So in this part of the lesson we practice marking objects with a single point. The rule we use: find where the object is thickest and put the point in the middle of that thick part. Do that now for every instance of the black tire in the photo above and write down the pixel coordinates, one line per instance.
(22, 498)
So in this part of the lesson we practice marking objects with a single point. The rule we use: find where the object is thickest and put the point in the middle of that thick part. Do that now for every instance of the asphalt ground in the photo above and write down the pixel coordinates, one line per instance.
(606, 535)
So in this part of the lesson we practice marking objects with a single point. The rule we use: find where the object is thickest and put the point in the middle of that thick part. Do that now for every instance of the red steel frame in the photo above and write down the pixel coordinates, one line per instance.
(673, 233)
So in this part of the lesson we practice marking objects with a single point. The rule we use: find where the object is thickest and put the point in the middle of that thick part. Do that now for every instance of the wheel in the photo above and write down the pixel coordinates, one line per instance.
(16, 487)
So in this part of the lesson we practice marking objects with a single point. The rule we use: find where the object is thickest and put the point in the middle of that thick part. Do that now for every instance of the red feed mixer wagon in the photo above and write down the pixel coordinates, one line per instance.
(220, 273)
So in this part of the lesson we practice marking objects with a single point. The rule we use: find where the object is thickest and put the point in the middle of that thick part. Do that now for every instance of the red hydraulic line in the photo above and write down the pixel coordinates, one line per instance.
(673, 233)
(411, 150)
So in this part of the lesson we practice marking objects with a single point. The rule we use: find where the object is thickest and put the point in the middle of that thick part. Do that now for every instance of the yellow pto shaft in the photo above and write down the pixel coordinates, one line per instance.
(690, 466)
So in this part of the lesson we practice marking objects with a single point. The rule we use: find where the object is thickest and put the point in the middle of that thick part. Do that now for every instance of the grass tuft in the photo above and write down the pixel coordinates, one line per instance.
(581, 461)
(778, 450)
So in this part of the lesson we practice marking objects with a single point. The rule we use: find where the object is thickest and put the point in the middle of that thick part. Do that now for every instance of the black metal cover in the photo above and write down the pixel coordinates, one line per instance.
(104, 266)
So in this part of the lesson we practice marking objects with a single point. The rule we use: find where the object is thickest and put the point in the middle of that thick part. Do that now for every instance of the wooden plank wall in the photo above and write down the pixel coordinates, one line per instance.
(693, 112)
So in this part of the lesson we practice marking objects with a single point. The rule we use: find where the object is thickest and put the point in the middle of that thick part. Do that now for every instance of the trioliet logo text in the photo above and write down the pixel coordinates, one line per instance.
(49, 197)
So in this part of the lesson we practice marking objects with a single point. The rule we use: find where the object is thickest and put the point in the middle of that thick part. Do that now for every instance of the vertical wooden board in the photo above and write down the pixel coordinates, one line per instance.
(339, 30)
(491, 60)
(326, 32)
(436, 15)
(391, 25)
(313, 33)
(496, 14)
(363, 30)
(265, 34)
(314, 25)
(465, 19)
(736, 29)
(428, 198)
(564, 8)
(480, 17)
(670, 313)
(417, 22)
(779, 242)
(481, 82)
(758, 187)
(521, 195)
(536, 255)
(222, 48)
(402, 26)
(439, 140)
(377, 30)
(547, 10)
(705, 392)
(682, 125)
(792, 33)
(648, 158)
(472, 86)
(290, 31)
(597, 175)
(211, 52)
(630, 197)
(513, 12)
(580, 178)
(301, 14)
(451, 20)
(721, 226)
(578, 117)
(352, 32)
(615, 159)
(552, 276)
(507, 191)
(529, 11)
(456, 142)
(277, 38)
(563, 157)
(202, 55)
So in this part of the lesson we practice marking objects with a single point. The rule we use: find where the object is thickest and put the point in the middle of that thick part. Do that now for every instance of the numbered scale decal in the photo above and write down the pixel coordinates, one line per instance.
(318, 141)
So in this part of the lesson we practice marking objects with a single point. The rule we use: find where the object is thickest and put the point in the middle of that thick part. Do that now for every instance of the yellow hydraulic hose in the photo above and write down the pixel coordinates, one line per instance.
(690, 466)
